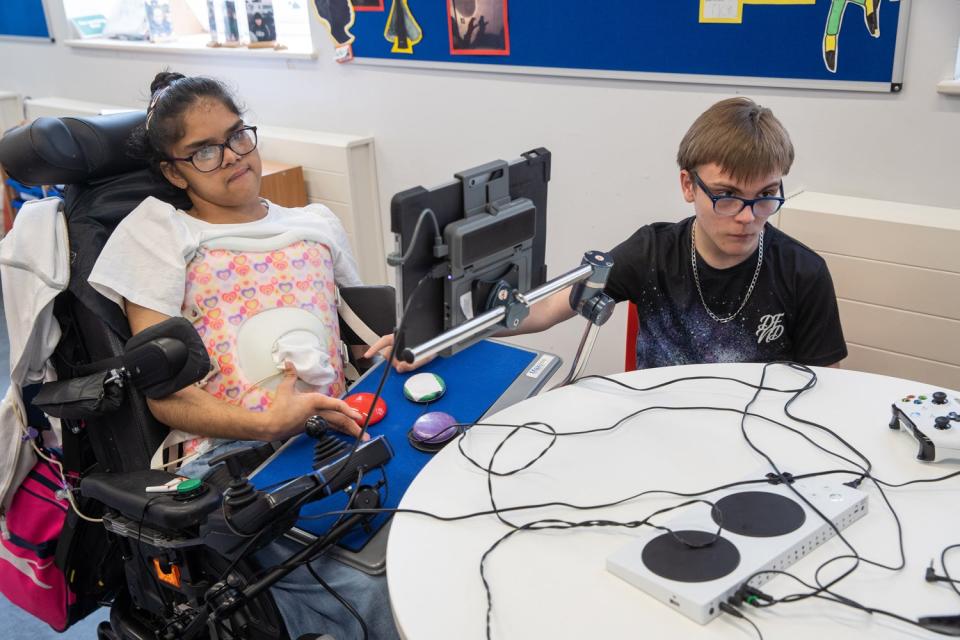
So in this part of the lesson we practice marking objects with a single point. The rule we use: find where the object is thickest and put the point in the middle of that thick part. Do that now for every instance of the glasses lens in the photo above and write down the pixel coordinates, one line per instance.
(243, 141)
(208, 158)
(766, 206)
(728, 206)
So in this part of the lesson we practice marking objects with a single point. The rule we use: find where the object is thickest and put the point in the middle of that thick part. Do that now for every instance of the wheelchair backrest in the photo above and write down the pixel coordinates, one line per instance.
(103, 185)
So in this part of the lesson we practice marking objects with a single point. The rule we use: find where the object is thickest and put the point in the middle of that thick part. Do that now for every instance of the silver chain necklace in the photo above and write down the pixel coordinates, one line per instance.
(696, 278)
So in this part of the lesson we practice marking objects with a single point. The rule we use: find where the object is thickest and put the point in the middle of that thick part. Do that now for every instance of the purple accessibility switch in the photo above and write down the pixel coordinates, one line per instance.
(432, 431)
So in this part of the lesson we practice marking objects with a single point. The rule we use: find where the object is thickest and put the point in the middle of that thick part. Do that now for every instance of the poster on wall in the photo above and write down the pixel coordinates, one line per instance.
(478, 27)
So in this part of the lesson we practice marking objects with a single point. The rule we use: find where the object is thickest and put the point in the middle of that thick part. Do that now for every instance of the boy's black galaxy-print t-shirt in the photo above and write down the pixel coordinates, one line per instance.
(791, 315)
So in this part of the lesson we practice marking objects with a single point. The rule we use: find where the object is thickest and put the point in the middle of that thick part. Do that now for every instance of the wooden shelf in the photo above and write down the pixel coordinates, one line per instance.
(283, 184)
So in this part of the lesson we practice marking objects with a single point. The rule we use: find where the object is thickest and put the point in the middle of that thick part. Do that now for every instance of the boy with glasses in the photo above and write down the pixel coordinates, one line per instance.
(723, 285)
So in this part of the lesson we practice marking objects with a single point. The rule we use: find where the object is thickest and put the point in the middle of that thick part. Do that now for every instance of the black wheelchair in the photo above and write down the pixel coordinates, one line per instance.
(174, 565)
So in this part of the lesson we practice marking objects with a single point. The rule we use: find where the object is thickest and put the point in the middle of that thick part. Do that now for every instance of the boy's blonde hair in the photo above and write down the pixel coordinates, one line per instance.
(743, 138)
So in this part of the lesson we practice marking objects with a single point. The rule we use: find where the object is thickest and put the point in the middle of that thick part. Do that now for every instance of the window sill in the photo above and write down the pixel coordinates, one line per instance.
(197, 45)
(949, 87)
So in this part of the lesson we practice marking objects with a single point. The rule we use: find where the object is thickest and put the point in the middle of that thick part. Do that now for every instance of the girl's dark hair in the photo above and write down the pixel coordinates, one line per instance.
(171, 95)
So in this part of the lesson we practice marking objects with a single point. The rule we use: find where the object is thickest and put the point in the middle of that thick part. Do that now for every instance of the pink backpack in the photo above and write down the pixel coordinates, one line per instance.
(29, 577)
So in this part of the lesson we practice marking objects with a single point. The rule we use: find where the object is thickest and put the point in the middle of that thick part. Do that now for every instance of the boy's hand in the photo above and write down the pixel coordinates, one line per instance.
(383, 347)
(291, 408)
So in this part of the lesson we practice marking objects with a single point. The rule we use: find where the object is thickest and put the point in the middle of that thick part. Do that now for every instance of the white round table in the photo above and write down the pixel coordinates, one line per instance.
(554, 584)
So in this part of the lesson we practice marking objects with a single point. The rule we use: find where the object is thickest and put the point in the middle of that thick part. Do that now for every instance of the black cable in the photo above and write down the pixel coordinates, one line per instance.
(341, 515)
(395, 260)
(546, 429)
(376, 396)
(563, 525)
(731, 610)
(946, 572)
(554, 435)
(848, 602)
(854, 554)
(744, 414)
(346, 605)
(773, 465)
(543, 505)
(820, 589)
(796, 392)
(899, 485)
(310, 495)
(347, 510)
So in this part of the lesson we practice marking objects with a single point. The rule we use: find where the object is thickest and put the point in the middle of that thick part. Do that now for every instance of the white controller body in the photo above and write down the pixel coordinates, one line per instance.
(933, 419)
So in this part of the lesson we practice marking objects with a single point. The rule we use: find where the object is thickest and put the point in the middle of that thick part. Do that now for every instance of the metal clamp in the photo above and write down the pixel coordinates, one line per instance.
(587, 298)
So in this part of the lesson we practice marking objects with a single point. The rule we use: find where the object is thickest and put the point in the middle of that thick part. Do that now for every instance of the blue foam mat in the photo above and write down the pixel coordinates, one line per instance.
(475, 379)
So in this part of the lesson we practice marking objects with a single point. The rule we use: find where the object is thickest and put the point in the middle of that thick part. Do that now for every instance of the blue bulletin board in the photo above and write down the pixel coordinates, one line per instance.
(23, 19)
(829, 44)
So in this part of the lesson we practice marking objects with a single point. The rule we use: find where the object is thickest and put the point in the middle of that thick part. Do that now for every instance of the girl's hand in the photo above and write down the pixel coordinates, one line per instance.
(291, 408)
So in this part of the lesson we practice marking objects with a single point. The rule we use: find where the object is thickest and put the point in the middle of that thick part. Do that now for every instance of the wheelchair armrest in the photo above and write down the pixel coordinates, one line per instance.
(126, 493)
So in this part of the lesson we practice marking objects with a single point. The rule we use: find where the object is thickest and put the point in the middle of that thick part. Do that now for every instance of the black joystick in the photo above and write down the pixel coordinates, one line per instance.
(941, 422)
(939, 397)
(315, 427)
(328, 447)
(240, 493)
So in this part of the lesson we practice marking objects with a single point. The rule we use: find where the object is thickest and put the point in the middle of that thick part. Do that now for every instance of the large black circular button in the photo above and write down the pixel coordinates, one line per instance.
(941, 422)
(939, 397)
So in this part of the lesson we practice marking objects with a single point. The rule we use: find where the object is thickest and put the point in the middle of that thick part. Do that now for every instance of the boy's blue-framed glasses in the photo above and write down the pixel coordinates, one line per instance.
(209, 158)
(732, 205)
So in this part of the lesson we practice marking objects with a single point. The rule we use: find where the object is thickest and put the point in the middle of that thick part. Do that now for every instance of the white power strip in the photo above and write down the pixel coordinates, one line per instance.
(700, 601)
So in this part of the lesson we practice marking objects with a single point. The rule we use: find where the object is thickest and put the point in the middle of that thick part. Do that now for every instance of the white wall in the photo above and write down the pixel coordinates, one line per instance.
(614, 142)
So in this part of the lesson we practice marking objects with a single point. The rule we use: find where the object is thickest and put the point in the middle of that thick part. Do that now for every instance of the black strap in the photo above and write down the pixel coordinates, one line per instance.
(44, 480)
(100, 365)
(43, 549)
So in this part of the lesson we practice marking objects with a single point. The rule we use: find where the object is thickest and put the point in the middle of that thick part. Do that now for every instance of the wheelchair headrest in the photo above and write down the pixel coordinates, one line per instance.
(89, 154)
(70, 150)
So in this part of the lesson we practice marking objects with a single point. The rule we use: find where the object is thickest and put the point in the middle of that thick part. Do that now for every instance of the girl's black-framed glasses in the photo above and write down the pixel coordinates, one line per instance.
(210, 157)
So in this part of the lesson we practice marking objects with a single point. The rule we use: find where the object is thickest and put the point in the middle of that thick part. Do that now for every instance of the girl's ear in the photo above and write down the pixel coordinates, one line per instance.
(173, 175)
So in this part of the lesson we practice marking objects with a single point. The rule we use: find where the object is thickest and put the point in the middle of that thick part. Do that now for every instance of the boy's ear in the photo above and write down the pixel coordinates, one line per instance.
(687, 185)
(173, 175)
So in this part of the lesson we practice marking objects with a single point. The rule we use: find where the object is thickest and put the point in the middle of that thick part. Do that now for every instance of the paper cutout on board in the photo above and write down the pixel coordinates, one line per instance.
(367, 5)
(402, 28)
(338, 16)
(831, 35)
(478, 27)
(731, 11)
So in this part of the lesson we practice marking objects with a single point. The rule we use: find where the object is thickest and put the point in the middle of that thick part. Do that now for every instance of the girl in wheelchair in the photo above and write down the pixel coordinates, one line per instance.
(258, 283)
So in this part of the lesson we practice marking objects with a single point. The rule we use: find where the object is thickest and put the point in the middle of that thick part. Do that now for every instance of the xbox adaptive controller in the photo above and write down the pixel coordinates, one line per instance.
(934, 420)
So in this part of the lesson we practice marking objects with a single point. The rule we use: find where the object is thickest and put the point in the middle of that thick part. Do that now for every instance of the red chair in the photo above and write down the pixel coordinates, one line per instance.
(633, 328)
